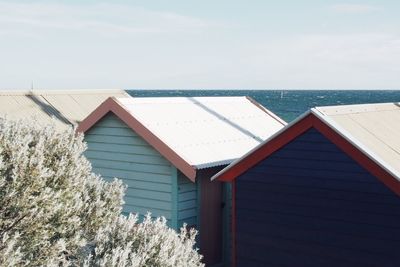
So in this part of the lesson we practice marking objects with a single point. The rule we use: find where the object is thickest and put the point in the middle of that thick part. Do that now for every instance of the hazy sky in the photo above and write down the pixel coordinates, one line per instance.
(200, 44)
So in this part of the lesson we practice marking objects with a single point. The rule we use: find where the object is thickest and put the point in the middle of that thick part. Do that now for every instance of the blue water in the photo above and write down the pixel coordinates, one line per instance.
(288, 104)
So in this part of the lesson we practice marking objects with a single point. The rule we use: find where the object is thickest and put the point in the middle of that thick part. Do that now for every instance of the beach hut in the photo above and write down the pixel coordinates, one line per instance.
(323, 191)
(66, 107)
(167, 149)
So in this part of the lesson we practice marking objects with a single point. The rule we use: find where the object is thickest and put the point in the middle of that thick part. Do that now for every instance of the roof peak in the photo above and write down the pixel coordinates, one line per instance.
(368, 133)
(193, 133)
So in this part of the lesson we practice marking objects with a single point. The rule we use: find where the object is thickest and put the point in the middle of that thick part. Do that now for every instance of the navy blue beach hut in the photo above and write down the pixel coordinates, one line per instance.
(166, 150)
(323, 191)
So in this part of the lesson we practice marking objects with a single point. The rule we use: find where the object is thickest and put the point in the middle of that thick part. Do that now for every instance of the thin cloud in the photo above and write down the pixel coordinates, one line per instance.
(341, 60)
(355, 8)
(104, 18)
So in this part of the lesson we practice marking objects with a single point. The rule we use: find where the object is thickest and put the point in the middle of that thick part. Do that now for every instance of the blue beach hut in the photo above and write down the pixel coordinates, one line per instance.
(167, 149)
(323, 191)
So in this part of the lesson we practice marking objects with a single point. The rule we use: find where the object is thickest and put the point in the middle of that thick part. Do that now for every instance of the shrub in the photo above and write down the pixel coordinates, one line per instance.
(50, 201)
(125, 242)
(53, 208)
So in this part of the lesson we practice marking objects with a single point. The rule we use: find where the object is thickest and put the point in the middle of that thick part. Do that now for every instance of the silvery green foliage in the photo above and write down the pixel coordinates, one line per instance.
(55, 212)
(125, 242)
(50, 201)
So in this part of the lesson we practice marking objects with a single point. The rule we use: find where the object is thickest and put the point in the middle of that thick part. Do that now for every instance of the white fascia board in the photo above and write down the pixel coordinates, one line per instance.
(352, 140)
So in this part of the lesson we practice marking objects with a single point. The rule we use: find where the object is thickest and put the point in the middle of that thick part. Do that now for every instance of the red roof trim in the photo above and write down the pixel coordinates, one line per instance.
(295, 130)
(267, 149)
(112, 105)
(357, 155)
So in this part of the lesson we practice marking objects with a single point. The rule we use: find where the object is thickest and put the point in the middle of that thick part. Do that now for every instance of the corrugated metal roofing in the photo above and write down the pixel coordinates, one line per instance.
(66, 106)
(373, 128)
(205, 131)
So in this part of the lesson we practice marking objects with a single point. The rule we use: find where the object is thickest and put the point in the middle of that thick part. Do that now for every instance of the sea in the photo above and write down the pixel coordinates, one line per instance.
(287, 104)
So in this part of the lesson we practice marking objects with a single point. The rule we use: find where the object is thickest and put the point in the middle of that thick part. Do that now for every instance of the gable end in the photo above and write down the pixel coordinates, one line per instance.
(112, 105)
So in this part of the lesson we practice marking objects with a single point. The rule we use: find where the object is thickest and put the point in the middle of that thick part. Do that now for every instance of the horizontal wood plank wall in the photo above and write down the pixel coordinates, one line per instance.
(116, 151)
(309, 204)
(187, 201)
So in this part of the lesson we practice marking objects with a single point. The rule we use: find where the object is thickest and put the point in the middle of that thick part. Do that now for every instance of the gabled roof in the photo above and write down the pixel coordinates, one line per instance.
(68, 107)
(369, 133)
(193, 132)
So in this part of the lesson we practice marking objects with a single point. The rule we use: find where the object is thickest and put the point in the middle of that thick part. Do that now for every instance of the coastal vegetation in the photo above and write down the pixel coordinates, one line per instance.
(54, 211)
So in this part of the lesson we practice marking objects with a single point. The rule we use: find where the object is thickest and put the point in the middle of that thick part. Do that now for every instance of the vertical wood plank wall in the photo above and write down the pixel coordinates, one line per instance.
(309, 204)
(211, 219)
(227, 223)
(116, 151)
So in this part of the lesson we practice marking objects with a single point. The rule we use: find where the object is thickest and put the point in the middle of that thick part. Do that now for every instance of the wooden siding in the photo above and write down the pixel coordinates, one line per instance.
(187, 201)
(227, 223)
(309, 204)
(116, 151)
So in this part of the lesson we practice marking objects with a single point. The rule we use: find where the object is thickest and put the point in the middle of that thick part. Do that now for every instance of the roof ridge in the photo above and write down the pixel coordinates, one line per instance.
(57, 91)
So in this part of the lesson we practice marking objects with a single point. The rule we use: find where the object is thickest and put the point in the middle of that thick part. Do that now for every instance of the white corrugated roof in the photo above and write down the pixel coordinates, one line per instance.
(66, 106)
(205, 131)
(373, 128)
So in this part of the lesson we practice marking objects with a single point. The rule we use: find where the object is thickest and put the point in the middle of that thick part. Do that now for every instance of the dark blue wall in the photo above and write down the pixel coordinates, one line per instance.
(309, 204)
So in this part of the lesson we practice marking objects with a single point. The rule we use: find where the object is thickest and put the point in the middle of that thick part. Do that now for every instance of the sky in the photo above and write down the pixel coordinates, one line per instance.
(208, 44)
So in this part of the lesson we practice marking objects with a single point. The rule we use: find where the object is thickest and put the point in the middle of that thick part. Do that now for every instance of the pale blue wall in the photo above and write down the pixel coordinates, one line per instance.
(116, 151)
(187, 201)
(154, 185)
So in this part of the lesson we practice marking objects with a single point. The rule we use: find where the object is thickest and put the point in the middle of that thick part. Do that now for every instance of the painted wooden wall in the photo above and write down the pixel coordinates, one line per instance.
(187, 201)
(154, 185)
(309, 204)
(116, 151)
(227, 224)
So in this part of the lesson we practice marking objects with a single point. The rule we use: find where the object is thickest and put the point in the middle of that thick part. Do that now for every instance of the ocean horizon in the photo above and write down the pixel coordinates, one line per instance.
(287, 104)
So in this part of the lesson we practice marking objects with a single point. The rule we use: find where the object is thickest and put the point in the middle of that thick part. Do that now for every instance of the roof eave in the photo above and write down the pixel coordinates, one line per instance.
(353, 141)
